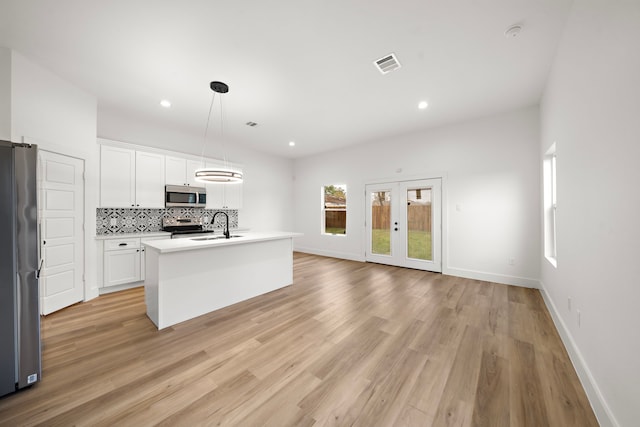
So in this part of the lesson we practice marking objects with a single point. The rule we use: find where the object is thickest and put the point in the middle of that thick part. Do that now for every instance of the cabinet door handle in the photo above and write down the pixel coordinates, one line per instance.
(122, 244)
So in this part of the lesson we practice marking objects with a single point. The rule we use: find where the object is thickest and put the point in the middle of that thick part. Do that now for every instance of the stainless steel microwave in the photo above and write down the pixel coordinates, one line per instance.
(180, 196)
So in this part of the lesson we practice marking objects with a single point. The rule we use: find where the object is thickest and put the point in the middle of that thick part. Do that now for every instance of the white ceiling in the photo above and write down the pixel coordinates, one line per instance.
(303, 70)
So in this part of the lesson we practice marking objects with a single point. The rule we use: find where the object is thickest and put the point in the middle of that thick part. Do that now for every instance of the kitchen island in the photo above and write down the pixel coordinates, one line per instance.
(186, 278)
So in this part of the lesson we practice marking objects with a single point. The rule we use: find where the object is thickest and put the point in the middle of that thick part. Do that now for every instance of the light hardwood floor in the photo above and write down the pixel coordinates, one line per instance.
(348, 344)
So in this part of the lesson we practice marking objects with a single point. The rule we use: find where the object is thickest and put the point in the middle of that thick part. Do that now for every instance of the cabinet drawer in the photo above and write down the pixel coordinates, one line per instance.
(119, 244)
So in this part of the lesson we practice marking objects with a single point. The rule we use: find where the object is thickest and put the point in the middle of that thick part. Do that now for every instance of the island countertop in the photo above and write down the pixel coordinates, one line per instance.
(217, 240)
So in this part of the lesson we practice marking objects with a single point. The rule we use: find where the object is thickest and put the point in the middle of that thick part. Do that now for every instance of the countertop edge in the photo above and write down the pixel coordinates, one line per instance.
(180, 245)
(132, 235)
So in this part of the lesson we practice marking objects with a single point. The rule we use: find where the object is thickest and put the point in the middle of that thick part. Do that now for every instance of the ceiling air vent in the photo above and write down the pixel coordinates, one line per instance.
(387, 63)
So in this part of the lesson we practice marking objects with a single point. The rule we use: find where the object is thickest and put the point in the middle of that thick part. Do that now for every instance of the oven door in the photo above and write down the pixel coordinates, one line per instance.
(181, 196)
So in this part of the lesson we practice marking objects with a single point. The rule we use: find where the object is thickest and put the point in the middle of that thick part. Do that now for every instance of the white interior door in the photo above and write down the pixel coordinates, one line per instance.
(61, 189)
(403, 224)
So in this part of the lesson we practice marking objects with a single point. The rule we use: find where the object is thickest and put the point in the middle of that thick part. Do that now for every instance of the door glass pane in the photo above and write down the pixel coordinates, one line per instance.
(419, 223)
(381, 222)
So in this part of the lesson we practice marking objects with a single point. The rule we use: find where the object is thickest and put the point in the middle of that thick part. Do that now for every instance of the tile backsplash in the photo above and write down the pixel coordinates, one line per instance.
(144, 220)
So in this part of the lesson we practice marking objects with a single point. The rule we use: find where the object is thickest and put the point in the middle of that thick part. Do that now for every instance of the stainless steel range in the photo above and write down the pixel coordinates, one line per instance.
(184, 227)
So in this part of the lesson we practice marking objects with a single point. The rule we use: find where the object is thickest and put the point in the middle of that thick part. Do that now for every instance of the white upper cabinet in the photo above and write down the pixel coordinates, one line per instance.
(181, 171)
(175, 171)
(223, 196)
(192, 165)
(117, 177)
(131, 179)
(149, 180)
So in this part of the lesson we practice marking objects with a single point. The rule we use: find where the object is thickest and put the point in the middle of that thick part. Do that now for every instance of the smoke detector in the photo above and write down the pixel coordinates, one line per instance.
(513, 31)
(387, 63)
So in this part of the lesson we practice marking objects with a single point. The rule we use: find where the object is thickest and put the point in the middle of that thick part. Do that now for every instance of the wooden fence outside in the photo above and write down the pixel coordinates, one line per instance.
(418, 217)
(335, 219)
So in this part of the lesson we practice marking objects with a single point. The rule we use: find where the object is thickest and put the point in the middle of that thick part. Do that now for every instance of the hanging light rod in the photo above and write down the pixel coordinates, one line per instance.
(224, 174)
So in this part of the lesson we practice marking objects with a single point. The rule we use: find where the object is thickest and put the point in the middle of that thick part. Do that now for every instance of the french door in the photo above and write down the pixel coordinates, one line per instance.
(403, 224)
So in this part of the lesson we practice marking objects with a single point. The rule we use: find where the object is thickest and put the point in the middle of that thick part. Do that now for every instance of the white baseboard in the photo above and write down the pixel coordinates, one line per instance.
(91, 293)
(598, 403)
(118, 288)
(331, 254)
(492, 277)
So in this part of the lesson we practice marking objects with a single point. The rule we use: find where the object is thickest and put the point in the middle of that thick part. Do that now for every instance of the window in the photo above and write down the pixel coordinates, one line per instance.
(550, 205)
(334, 206)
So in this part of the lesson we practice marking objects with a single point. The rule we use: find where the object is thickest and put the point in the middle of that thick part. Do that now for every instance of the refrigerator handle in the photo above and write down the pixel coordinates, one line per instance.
(39, 269)
(40, 251)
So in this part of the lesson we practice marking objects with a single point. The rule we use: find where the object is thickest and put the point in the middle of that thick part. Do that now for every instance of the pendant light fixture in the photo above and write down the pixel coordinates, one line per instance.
(224, 174)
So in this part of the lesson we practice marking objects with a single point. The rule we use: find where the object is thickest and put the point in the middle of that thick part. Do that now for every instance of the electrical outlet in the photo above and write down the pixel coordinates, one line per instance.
(569, 303)
(512, 261)
(578, 312)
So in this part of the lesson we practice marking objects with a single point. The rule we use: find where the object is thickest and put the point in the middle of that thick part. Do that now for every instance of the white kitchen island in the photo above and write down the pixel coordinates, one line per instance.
(186, 278)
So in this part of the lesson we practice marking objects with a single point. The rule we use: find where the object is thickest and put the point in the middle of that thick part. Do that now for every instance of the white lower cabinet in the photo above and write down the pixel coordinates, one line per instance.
(121, 261)
(124, 260)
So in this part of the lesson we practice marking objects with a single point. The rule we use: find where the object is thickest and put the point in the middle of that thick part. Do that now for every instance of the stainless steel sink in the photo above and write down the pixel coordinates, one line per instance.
(211, 238)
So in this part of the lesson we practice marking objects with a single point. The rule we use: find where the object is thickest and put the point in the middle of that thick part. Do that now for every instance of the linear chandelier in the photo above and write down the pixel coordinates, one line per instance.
(221, 175)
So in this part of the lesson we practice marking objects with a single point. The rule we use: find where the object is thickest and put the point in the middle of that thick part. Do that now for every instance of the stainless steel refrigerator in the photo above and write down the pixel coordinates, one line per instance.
(20, 364)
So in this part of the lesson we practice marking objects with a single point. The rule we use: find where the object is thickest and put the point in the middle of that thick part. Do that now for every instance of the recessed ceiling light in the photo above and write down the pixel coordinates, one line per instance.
(422, 105)
(292, 143)
(165, 103)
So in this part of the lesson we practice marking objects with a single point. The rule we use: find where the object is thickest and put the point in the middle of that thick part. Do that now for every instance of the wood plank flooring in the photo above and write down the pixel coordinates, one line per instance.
(347, 344)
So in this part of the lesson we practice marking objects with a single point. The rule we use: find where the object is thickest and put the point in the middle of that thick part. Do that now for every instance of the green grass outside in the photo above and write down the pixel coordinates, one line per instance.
(419, 243)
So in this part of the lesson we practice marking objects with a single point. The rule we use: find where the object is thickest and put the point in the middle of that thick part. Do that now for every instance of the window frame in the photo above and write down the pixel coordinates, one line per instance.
(324, 210)
(550, 190)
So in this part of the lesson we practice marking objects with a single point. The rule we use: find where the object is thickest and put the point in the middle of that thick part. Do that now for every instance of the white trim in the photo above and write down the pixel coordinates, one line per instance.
(331, 254)
(402, 178)
(552, 261)
(504, 279)
(598, 403)
(90, 292)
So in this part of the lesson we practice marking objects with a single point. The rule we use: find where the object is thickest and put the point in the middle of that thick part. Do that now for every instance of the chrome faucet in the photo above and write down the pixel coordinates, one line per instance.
(226, 228)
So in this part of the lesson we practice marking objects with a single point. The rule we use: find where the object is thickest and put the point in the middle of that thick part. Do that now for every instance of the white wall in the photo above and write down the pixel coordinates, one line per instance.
(267, 186)
(5, 93)
(59, 117)
(591, 109)
(491, 172)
